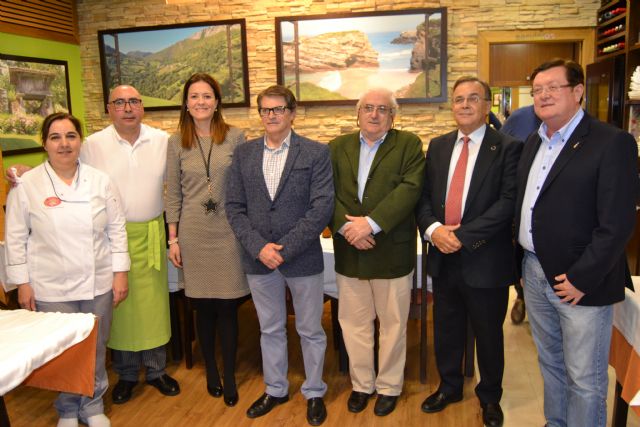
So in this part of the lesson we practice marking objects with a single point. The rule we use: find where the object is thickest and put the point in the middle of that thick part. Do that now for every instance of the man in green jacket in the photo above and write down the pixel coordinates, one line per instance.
(378, 174)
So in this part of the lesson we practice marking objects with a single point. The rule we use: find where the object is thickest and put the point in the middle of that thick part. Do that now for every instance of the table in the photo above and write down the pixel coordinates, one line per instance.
(330, 286)
(624, 356)
(55, 351)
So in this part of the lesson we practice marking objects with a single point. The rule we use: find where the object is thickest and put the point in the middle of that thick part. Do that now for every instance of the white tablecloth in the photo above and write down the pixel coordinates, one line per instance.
(330, 286)
(30, 339)
(626, 318)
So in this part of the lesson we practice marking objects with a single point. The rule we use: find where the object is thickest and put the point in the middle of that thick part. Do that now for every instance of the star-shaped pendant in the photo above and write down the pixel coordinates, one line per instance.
(210, 206)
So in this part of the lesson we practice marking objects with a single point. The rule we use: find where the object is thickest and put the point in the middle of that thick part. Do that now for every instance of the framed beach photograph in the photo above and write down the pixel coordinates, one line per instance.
(333, 59)
(30, 90)
(158, 60)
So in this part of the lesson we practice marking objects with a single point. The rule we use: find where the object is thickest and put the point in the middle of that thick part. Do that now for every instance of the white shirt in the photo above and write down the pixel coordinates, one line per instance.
(475, 141)
(138, 170)
(69, 250)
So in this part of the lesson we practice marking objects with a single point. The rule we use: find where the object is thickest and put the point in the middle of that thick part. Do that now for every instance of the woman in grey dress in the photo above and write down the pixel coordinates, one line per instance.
(198, 158)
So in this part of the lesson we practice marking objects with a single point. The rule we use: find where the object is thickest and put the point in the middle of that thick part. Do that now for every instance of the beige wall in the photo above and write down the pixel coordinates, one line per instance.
(465, 19)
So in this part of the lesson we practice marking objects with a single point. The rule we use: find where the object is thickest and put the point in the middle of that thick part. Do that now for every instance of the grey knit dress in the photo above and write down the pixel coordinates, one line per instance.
(210, 252)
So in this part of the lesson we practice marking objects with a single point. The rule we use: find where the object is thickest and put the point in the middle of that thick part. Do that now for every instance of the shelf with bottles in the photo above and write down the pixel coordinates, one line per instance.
(609, 32)
(612, 13)
(612, 47)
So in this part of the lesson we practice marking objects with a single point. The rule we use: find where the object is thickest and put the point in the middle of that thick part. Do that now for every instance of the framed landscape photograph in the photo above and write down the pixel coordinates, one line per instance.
(158, 60)
(30, 90)
(333, 59)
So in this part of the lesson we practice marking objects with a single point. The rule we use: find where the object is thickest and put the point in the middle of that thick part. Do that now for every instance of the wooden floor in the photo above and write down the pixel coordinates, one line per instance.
(522, 400)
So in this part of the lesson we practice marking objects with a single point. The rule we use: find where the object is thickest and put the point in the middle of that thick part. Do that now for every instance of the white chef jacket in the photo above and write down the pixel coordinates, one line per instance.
(67, 251)
(137, 170)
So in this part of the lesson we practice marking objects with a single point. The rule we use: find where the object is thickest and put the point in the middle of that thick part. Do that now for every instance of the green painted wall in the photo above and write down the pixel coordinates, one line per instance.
(11, 44)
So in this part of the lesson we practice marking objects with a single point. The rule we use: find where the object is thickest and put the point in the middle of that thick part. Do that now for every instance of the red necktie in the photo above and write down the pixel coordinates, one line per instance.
(453, 205)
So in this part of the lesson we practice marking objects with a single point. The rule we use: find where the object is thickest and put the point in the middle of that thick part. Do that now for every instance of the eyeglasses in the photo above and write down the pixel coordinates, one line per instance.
(538, 90)
(278, 111)
(383, 110)
(120, 103)
(471, 99)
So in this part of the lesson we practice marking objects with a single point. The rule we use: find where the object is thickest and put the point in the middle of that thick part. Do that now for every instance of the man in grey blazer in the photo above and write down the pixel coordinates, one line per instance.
(279, 199)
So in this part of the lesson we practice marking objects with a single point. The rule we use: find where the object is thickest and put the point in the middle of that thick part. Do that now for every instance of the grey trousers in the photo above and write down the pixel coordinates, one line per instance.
(269, 298)
(71, 405)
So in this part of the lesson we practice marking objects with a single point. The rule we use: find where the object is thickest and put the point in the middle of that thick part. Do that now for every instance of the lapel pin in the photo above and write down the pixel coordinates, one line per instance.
(576, 145)
(493, 148)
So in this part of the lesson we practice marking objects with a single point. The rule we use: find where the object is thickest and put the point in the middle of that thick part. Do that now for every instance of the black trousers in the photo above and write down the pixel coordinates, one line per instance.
(221, 316)
(453, 302)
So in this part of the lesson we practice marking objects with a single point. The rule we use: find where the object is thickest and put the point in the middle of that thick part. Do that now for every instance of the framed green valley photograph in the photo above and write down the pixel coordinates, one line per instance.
(30, 90)
(158, 60)
(333, 59)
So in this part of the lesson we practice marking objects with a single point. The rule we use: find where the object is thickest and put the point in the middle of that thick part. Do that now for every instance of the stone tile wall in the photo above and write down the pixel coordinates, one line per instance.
(466, 18)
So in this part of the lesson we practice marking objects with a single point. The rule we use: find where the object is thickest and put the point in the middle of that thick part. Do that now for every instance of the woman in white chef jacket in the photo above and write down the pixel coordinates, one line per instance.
(66, 248)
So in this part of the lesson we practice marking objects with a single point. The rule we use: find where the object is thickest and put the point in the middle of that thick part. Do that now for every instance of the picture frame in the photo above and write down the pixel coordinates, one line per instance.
(333, 59)
(497, 98)
(30, 89)
(158, 60)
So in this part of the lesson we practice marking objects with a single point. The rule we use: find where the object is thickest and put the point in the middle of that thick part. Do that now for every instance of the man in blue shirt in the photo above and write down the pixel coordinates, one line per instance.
(575, 211)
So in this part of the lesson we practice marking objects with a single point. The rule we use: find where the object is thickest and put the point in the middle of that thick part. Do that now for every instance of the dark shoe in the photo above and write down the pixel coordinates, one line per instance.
(122, 391)
(492, 415)
(518, 312)
(231, 400)
(385, 405)
(166, 385)
(358, 401)
(265, 404)
(215, 391)
(316, 411)
(438, 401)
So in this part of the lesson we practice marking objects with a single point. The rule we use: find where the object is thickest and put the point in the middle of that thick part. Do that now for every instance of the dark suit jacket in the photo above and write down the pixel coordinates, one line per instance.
(486, 230)
(392, 190)
(585, 212)
(301, 209)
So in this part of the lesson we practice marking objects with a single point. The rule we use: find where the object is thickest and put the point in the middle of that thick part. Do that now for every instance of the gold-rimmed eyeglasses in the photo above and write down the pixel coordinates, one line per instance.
(552, 89)
(471, 99)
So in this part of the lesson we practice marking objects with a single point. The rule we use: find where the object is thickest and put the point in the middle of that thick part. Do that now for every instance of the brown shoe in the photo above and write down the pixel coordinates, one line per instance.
(518, 312)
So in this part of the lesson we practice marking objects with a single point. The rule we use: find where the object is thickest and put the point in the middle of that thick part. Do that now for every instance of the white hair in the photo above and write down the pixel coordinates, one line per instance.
(383, 91)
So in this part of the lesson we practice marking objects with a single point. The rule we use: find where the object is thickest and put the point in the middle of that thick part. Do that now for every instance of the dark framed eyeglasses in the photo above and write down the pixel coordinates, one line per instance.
(278, 111)
(120, 103)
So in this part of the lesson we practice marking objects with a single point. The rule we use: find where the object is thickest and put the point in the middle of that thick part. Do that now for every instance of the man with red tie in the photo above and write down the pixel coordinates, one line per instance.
(466, 214)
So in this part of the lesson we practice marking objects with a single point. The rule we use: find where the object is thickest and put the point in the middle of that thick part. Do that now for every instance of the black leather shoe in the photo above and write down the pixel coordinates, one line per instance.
(215, 391)
(385, 405)
(358, 401)
(265, 404)
(231, 400)
(438, 401)
(316, 411)
(492, 415)
(166, 385)
(122, 391)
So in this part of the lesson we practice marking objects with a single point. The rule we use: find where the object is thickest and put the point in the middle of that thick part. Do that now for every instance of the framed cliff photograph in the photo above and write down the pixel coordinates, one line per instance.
(333, 59)
(158, 60)
(30, 90)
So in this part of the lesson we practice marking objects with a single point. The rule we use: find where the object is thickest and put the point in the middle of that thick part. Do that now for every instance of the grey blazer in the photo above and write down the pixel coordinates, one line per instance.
(301, 209)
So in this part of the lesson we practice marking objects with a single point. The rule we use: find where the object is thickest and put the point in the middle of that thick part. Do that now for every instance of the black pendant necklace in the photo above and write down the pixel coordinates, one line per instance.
(210, 206)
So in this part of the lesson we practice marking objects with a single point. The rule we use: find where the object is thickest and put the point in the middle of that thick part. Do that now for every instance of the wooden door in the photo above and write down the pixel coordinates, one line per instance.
(511, 64)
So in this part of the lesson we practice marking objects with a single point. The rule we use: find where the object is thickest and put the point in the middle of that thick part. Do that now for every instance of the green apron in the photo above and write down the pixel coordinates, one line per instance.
(141, 321)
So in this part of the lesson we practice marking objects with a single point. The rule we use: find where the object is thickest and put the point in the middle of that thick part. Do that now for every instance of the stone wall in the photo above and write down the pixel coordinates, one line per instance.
(465, 19)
